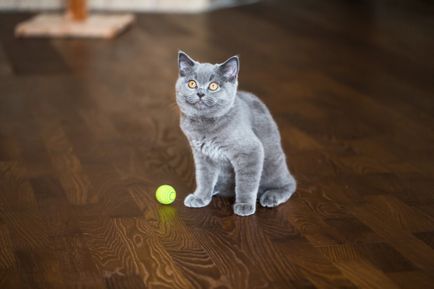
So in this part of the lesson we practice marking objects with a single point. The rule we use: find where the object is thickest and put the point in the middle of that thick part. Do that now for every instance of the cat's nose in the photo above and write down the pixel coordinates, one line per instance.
(200, 94)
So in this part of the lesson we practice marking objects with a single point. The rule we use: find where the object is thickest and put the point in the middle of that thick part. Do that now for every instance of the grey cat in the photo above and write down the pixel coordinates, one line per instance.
(235, 141)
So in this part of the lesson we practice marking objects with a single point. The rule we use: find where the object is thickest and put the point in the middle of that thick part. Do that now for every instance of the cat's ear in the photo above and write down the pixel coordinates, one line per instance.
(230, 68)
(185, 63)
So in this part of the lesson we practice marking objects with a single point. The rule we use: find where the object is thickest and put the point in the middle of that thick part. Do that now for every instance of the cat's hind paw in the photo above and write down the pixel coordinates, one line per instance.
(273, 198)
(193, 201)
(244, 209)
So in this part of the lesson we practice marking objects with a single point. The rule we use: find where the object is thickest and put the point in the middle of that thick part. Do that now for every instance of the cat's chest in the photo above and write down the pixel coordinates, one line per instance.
(209, 147)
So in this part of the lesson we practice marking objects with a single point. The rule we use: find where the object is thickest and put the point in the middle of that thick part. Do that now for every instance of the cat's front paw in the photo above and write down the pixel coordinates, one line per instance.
(193, 201)
(244, 209)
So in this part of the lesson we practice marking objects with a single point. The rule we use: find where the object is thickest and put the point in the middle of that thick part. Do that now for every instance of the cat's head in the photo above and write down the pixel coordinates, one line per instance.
(204, 89)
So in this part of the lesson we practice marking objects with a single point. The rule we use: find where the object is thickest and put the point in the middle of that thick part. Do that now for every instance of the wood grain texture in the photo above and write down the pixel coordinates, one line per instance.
(7, 257)
(89, 130)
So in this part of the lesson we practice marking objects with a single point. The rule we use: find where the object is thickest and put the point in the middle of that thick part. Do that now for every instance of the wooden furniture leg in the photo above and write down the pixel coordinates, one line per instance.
(77, 10)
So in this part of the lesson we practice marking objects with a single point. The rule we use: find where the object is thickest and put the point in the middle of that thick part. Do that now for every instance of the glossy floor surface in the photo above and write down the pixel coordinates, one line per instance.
(89, 129)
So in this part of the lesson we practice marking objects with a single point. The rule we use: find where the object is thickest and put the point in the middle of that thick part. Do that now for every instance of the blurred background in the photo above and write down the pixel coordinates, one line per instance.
(89, 128)
(131, 5)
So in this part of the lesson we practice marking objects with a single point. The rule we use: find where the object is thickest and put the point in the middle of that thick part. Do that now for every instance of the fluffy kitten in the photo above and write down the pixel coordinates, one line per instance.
(235, 141)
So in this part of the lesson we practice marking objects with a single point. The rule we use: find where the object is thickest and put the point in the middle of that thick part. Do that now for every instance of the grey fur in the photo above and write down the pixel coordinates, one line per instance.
(235, 141)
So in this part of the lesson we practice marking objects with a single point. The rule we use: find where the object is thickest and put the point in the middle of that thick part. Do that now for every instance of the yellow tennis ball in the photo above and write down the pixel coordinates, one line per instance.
(165, 194)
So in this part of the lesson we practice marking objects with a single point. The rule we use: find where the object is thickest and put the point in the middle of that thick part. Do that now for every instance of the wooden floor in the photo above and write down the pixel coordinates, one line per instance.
(89, 129)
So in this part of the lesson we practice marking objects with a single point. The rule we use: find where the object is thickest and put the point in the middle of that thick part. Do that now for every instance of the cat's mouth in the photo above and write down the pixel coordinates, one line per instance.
(201, 104)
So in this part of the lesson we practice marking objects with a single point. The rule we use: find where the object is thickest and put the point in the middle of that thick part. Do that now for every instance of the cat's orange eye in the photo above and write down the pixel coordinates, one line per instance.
(191, 84)
(213, 86)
